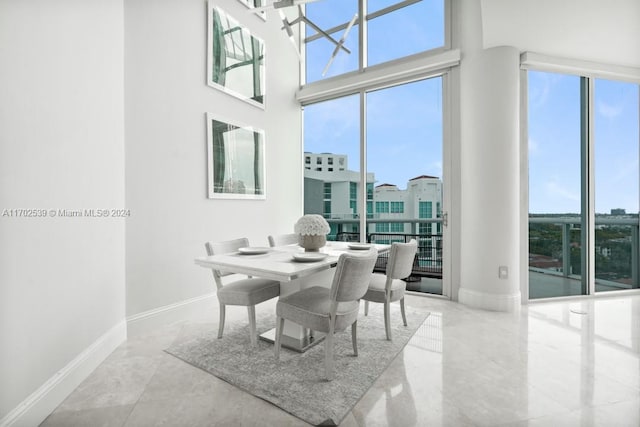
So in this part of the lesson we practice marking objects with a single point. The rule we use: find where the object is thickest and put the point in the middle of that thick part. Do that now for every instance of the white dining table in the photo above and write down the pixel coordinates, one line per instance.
(278, 263)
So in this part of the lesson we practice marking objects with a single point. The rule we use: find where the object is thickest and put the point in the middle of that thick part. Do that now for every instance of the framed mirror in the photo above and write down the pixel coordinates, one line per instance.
(235, 160)
(235, 58)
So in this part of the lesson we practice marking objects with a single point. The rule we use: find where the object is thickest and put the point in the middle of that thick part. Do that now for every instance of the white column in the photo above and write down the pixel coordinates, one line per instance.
(489, 116)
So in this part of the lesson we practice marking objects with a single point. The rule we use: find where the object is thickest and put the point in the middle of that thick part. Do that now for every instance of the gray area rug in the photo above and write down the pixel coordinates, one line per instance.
(296, 383)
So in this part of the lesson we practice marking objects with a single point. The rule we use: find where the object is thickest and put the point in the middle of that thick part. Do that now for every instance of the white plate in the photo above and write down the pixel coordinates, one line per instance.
(253, 251)
(359, 246)
(309, 256)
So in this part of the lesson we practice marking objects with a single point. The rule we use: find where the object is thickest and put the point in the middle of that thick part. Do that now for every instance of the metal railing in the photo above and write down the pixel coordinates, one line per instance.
(557, 252)
(555, 246)
(428, 260)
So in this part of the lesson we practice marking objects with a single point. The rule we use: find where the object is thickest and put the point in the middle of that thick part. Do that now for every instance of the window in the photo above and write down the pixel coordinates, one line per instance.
(424, 210)
(382, 227)
(397, 207)
(330, 160)
(583, 184)
(330, 14)
(397, 227)
(616, 152)
(319, 161)
(320, 122)
(382, 207)
(424, 230)
(555, 149)
(411, 29)
(327, 190)
(353, 190)
(307, 160)
(394, 29)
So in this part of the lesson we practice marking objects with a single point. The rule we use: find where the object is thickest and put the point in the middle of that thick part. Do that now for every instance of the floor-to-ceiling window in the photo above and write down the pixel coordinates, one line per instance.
(583, 184)
(555, 202)
(616, 154)
(404, 126)
(332, 163)
(388, 131)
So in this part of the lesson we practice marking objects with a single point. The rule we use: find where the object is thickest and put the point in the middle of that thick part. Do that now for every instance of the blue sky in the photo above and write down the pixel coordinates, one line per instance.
(554, 144)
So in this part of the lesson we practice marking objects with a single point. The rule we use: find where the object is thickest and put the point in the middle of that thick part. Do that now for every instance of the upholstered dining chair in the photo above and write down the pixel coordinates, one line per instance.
(329, 310)
(390, 287)
(283, 239)
(245, 292)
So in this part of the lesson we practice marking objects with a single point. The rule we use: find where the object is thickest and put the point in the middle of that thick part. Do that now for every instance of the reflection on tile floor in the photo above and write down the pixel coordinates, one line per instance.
(553, 364)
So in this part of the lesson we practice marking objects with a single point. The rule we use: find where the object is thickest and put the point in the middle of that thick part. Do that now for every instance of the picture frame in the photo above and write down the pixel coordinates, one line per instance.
(252, 4)
(235, 160)
(235, 58)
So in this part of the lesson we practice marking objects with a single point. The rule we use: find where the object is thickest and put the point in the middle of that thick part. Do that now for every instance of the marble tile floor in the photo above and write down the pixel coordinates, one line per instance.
(566, 363)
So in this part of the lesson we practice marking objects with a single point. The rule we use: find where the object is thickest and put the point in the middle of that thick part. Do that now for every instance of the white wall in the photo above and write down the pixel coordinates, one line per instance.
(166, 101)
(61, 147)
(591, 30)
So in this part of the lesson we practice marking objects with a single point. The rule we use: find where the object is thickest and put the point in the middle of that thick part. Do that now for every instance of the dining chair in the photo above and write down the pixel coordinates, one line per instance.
(245, 292)
(390, 287)
(283, 239)
(329, 310)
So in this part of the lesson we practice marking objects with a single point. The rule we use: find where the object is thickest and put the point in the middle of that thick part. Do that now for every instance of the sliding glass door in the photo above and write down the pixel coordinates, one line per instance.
(583, 185)
(616, 155)
(404, 151)
(556, 216)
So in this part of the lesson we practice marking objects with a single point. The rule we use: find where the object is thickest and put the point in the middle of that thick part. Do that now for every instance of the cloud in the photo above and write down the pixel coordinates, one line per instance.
(557, 191)
(609, 111)
(540, 85)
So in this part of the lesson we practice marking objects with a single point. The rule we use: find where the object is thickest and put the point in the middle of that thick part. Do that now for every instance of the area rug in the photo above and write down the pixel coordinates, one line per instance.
(297, 383)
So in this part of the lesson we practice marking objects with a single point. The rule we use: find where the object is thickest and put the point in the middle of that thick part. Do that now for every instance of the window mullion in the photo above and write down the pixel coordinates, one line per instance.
(587, 184)
(363, 165)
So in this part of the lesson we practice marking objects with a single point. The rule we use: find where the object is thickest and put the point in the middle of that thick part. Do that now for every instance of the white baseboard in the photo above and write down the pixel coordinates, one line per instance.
(151, 319)
(35, 408)
(488, 301)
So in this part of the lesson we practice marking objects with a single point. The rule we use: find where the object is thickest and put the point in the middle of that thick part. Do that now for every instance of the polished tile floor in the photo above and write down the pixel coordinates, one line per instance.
(566, 363)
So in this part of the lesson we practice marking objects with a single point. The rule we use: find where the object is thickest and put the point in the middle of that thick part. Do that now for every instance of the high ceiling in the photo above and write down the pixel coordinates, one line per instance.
(592, 30)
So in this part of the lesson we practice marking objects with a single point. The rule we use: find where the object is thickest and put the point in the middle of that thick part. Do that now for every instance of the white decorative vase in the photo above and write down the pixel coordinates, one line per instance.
(312, 242)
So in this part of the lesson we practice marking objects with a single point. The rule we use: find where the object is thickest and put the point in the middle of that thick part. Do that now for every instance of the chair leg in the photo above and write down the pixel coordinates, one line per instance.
(252, 325)
(366, 308)
(404, 316)
(279, 328)
(354, 337)
(221, 322)
(328, 353)
(387, 319)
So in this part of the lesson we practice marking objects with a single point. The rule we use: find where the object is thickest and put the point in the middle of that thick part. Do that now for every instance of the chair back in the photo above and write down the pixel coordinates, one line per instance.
(401, 259)
(352, 276)
(283, 239)
(228, 246)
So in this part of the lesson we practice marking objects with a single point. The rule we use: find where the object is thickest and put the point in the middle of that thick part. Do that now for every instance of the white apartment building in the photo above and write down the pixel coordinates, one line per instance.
(421, 200)
(331, 189)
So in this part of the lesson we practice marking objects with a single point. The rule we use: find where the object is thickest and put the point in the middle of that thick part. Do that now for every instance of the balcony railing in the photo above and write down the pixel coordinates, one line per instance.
(555, 246)
(428, 260)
